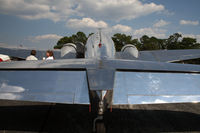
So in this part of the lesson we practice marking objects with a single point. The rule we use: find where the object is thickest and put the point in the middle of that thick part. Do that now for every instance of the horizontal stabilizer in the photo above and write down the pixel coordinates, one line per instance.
(45, 86)
(153, 88)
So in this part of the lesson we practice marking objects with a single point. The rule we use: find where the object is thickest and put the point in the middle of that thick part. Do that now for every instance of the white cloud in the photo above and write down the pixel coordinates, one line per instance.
(38, 9)
(159, 33)
(86, 23)
(46, 41)
(154, 102)
(10, 91)
(10, 88)
(121, 28)
(47, 36)
(117, 9)
(168, 13)
(60, 10)
(89, 24)
(188, 22)
(10, 96)
(161, 23)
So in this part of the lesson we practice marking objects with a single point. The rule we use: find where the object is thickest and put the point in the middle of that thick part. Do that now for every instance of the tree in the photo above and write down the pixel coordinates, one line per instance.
(79, 37)
(136, 43)
(75, 38)
(90, 34)
(152, 43)
(189, 43)
(120, 40)
(63, 41)
(173, 42)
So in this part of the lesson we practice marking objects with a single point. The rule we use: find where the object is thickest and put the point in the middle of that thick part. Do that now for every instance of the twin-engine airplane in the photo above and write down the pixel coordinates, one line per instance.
(104, 77)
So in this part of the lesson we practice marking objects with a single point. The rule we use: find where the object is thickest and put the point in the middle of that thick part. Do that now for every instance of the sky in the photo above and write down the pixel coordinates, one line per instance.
(41, 23)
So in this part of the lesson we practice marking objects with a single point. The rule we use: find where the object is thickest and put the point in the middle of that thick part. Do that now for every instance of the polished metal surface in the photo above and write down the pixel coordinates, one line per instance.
(45, 86)
(101, 79)
(130, 50)
(132, 65)
(53, 64)
(99, 46)
(151, 88)
(162, 55)
(68, 48)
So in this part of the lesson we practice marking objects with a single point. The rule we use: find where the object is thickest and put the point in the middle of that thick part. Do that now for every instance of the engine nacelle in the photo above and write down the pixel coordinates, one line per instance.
(68, 50)
(130, 50)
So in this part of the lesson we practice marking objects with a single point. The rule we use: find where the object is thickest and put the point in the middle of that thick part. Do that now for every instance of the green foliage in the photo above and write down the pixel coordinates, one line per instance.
(57, 46)
(78, 37)
(120, 40)
(90, 34)
(174, 41)
(150, 43)
(64, 40)
(188, 43)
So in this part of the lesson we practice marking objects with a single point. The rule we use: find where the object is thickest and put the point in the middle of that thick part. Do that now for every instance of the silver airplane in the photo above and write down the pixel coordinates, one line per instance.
(103, 78)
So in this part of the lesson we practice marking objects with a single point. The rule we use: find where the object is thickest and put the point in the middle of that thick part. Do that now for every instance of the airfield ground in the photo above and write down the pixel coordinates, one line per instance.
(28, 117)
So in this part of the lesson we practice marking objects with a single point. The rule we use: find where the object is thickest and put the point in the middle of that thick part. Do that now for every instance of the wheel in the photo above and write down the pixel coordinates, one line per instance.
(100, 128)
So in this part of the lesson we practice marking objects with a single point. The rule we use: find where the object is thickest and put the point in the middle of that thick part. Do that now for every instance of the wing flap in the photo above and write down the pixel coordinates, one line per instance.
(152, 88)
(44, 86)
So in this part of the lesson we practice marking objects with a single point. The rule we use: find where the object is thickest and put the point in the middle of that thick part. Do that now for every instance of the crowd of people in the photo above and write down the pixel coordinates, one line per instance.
(32, 56)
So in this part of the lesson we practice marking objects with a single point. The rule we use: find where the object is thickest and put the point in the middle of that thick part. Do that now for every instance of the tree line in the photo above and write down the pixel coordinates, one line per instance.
(175, 41)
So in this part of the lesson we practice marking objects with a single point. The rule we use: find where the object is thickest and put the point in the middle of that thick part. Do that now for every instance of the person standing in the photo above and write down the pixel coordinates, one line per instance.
(32, 56)
(49, 55)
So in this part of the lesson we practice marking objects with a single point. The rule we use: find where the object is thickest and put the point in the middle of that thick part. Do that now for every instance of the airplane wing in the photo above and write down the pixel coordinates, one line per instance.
(163, 55)
(44, 81)
(69, 81)
(155, 83)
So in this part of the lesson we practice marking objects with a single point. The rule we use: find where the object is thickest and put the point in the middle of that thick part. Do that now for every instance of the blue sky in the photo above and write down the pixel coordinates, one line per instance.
(40, 23)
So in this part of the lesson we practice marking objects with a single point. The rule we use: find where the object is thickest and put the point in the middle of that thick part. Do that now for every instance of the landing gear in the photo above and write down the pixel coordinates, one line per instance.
(98, 125)
(100, 101)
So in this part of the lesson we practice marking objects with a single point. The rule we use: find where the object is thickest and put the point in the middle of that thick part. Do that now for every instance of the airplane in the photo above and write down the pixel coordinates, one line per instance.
(103, 78)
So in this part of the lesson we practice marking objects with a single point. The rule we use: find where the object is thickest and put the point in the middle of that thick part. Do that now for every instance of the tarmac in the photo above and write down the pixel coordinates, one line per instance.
(35, 117)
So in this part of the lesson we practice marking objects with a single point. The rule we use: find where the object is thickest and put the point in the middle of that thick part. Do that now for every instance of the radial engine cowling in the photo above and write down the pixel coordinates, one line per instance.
(130, 50)
(68, 50)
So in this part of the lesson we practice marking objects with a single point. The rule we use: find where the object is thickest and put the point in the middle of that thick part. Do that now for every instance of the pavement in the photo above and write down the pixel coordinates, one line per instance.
(35, 117)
